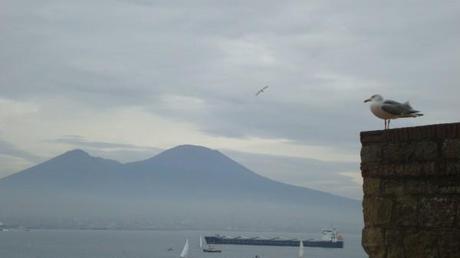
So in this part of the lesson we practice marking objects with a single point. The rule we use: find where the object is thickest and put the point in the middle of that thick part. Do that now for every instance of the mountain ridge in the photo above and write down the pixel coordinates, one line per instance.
(168, 162)
(184, 178)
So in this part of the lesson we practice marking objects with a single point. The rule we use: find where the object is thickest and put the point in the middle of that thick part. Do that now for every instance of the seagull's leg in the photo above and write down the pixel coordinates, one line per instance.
(389, 120)
(385, 123)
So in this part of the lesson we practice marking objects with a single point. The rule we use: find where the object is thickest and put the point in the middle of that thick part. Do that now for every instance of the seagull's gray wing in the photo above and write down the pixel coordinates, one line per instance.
(398, 109)
(391, 102)
(394, 108)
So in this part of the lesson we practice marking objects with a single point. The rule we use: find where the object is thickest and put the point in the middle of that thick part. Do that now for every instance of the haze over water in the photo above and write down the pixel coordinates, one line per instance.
(151, 244)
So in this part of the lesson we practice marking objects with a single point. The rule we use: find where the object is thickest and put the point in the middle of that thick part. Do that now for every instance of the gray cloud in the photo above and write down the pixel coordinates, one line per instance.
(13, 159)
(9, 149)
(202, 61)
(77, 140)
(326, 56)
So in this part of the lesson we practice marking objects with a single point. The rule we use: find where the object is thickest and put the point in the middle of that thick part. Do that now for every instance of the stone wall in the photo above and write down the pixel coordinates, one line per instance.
(412, 192)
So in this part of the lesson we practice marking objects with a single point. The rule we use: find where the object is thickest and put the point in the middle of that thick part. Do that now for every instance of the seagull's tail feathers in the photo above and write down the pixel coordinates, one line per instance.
(414, 113)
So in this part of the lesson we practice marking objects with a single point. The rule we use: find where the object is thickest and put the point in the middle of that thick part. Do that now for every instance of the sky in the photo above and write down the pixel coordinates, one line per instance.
(125, 79)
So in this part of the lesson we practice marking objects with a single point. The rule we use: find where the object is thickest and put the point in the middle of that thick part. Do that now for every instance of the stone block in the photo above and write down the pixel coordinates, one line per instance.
(432, 185)
(438, 212)
(370, 170)
(410, 152)
(423, 133)
(447, 185)
(398, 135)
(448, 130)
(450, 189)
(449, 244)
(425, 151)
(420, 244)
(420, 169)
(457, 217)
(394, 243)
(377, 210)
(373, 242)
(451, 149)
(393, 236)
(452, 169)
(393, 186)
(405, 211)
(371, 186)
(395, 250)
(420, 186)
(372, 137)
(371, 154)
(395, 152)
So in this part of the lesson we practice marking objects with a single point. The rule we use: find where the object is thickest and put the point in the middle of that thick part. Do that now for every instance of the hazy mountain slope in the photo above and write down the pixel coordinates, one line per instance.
(210, 174)
(186, 186)
(72, 171)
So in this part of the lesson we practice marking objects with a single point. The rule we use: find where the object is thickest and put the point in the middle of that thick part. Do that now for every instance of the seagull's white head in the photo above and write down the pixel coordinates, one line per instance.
(374, 98)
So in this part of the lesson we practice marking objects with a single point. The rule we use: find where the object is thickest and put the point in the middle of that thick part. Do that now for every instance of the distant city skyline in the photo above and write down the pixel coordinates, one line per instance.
(127, 79)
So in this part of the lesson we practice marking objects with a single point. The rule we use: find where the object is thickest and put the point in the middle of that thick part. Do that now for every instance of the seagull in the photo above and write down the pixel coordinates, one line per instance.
(390, 109)
(261, 90)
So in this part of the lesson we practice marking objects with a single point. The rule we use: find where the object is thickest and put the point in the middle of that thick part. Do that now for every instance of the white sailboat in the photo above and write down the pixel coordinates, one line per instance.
(185, 250)
(301, 249)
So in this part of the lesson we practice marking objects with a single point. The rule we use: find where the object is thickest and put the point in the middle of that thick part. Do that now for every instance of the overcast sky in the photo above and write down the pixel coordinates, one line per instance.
(125, 79)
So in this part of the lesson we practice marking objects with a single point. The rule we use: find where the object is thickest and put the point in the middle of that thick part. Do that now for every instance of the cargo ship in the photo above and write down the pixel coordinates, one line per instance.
(330, 239)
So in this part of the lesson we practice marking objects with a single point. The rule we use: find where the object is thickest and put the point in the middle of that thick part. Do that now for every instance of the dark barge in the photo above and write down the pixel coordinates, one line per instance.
(330, 239)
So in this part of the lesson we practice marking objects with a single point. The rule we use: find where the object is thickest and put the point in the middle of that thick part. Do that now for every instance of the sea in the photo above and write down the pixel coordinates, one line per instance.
(154, 244)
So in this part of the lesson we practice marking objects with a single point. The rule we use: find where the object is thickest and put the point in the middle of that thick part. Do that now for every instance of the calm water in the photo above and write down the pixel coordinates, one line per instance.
(150, 244)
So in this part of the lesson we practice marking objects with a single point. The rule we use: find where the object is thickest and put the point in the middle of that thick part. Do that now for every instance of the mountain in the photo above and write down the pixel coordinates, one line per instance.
(75, 170)
(186, 186)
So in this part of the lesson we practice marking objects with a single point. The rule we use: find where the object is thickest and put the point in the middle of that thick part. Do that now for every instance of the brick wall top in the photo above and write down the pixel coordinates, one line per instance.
(432, 150)
(418, 133)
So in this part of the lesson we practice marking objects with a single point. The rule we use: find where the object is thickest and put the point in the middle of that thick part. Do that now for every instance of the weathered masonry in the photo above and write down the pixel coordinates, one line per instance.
(412, 192)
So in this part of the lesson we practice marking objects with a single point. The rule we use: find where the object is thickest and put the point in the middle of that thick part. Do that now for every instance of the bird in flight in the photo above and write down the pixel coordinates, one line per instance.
(390, 109)
(261, 90)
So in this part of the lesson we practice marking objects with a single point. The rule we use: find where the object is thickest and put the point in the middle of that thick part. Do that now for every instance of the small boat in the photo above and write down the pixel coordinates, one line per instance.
(207, 248)
(185, 250)
(3, 227)
(301, 249)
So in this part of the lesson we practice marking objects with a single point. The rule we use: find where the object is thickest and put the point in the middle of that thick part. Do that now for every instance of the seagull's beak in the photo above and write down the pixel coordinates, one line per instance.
(367, 100)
